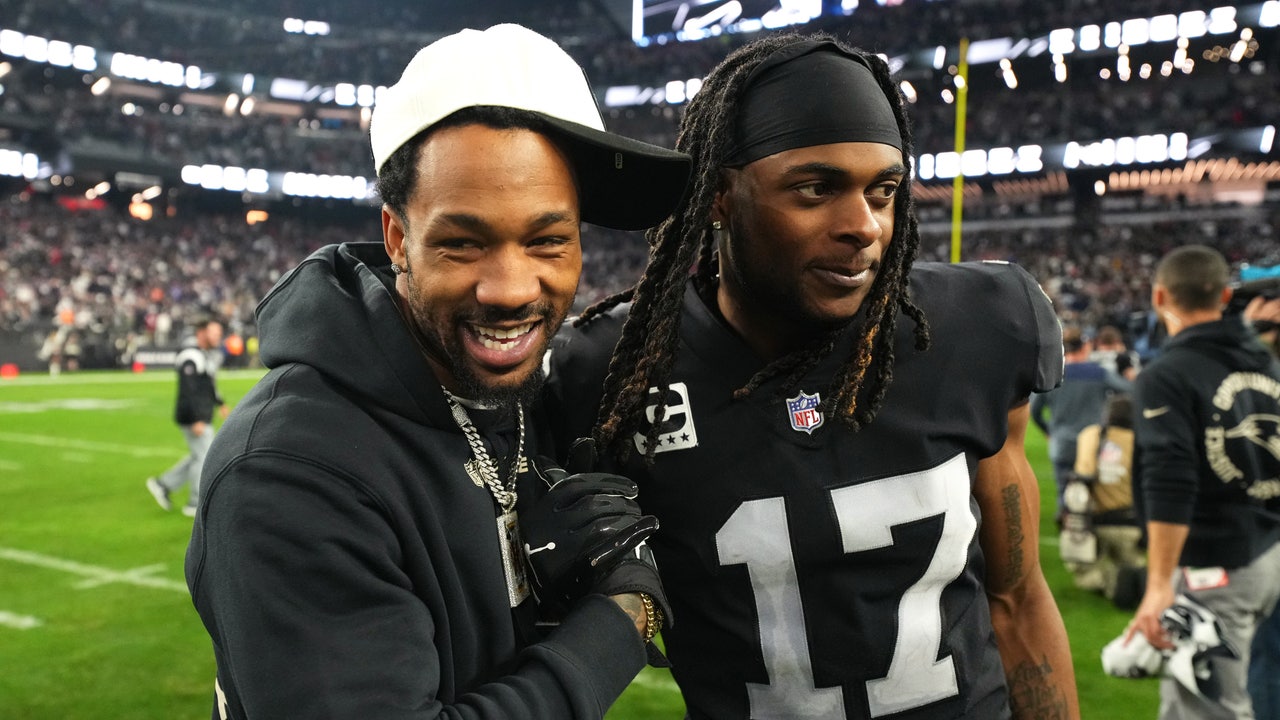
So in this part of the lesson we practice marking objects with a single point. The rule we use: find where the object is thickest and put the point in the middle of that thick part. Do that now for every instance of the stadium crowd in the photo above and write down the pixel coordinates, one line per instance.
(251, 36)
(1216, 96)
(122, 280)
(122, 283)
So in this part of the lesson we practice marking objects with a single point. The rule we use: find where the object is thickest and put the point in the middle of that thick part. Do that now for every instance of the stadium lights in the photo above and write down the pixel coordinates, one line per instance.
(229, 106)
(341, 187)
(159, 72)
(101, 85)
(246, 107)
(1010, 78)
(1268, 138)
(1195, 172)
(1090, 38)
(42, 50)
(977, 163)
(1270, 15)
(141, 211)
(1059, 68)
(19, 164)
(1126, 151)
(299, 26)
(216, 177)
(908, 91)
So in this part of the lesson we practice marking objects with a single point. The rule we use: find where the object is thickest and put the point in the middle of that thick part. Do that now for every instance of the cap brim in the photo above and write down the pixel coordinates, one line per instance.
(623, 183)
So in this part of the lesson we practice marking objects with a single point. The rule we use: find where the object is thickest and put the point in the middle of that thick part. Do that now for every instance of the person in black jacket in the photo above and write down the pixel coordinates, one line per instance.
(1208, 475)
(198, 397)
(374, 516)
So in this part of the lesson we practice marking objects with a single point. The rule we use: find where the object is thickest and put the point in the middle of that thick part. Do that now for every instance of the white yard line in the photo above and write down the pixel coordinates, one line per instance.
(89, 445)
(19, 622)
(93, 575)
(120, 378)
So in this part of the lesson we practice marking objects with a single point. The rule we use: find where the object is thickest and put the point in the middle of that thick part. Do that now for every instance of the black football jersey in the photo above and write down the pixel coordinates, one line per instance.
(815, 572)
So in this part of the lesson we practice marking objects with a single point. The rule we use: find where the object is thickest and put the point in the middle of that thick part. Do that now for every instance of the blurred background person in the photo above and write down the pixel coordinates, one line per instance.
(1111, 352)
(1208, 474)
(1073, 405)
(1104, 461)
(1264, 659)
(197, 365)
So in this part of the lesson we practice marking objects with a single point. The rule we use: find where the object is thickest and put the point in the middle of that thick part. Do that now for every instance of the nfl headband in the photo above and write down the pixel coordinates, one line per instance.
(811, 93)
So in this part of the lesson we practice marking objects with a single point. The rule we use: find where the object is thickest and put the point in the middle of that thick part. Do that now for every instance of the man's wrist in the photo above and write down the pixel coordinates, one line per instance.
(653, 617)
(633, 605)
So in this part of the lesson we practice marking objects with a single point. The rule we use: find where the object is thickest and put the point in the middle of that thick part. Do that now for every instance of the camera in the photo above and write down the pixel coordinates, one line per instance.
(1254, 282)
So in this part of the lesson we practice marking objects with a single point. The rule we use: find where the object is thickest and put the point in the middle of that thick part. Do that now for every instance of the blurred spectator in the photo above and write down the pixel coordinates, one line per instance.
(1104, 461)
(1110, 352)
(1073, 405)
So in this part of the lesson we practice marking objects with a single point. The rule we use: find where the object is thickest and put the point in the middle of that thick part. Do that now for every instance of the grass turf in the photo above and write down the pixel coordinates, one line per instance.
(94, 568)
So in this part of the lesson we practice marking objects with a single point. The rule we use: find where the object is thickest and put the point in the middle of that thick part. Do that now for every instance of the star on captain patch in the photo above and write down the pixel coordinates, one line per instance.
(802, 411)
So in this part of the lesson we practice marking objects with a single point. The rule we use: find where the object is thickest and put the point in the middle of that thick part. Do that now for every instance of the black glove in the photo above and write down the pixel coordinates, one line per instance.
(638, 573)
(581, 529)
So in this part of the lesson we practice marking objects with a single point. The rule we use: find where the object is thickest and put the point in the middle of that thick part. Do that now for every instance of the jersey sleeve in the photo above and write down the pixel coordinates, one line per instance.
(1045, 327)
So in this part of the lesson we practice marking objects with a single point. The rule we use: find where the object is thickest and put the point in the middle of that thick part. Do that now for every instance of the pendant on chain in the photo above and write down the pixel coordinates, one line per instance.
(512, 559)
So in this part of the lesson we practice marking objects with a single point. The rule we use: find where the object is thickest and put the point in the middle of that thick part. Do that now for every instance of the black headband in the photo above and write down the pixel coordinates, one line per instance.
(811, 93)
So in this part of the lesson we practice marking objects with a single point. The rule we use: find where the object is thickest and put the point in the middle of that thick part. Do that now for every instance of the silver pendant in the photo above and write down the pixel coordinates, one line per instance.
(472, 467)
(512, 560)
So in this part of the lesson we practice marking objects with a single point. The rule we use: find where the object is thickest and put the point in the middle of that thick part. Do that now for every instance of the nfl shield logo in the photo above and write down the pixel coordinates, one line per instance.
(802, 411)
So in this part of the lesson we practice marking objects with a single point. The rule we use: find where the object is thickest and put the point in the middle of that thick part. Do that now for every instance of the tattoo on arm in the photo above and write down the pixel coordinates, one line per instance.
(1012, 500)
(633, 606)
(1033, 695)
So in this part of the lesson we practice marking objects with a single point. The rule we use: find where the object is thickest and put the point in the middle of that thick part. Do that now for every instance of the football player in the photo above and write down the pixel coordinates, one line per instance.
(831, 438)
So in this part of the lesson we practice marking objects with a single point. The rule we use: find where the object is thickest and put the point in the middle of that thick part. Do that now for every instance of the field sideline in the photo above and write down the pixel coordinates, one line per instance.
(95, 621)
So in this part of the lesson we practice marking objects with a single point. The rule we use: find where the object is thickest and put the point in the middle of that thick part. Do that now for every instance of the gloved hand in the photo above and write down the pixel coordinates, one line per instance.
(586, 527)
(1136, 658)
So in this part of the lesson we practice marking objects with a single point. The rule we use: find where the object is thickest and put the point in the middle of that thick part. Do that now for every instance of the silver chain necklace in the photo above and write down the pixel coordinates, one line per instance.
(482, 468)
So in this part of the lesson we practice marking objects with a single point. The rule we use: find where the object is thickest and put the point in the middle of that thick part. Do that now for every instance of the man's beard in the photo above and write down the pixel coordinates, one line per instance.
(472, 388)
(447, 350)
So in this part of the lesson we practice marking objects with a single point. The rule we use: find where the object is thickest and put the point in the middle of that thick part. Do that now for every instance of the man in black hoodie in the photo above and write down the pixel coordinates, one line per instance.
(357, 552)
(197, 365)
(1208, 471)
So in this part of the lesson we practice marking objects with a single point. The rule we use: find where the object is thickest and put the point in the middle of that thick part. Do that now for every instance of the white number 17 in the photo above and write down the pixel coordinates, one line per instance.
(757, 535)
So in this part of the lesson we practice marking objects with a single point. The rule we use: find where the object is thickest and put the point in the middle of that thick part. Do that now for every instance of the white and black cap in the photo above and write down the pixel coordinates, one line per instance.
(622, 183)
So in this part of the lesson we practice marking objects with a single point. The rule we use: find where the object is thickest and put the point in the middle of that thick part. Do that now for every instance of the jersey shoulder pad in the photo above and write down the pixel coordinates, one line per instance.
(1005, 299)
(587, 347)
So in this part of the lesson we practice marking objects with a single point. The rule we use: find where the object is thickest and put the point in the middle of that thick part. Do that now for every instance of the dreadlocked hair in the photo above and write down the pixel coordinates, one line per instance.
(646, 349)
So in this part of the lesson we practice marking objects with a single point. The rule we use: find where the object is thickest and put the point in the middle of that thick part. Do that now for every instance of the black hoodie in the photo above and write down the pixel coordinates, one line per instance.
(343, 562)
(1208, 434)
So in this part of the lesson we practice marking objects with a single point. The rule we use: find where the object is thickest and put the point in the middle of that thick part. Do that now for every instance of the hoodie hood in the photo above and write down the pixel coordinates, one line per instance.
(1228, 340)
(336, 312)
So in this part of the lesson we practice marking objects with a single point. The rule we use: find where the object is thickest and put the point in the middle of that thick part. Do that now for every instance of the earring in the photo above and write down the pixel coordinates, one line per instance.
(396, 269)
(716, 225)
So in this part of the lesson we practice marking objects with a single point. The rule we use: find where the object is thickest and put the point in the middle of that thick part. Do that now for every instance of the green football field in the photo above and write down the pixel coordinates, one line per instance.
(95, 621)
